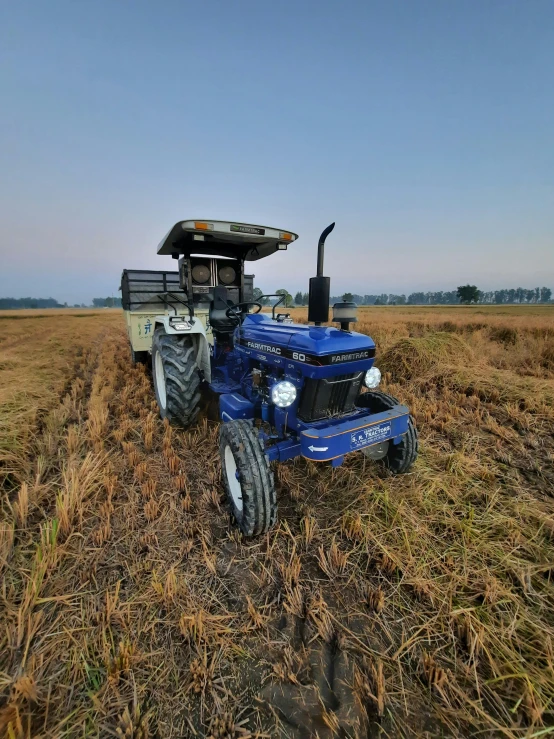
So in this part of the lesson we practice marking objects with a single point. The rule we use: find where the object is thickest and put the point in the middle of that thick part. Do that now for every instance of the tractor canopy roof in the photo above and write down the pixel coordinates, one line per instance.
(226, 239)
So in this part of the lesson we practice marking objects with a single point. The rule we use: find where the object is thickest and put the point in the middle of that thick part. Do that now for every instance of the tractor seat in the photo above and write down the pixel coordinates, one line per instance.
(218, 306)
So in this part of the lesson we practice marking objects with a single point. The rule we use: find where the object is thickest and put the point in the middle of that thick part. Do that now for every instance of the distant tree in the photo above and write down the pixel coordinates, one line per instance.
(257, 296)
(450, 298)
(110, 302)
(468, 294)
(305, 298)
(298, 298)
(347, 298)
(288, 297)
(546, 294)
(416, 299)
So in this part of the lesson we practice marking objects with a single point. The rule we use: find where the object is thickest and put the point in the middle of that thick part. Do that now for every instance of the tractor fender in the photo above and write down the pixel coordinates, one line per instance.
(197, 332)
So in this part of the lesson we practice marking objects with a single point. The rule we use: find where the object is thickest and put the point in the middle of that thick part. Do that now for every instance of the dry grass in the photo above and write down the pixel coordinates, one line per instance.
(420, 604)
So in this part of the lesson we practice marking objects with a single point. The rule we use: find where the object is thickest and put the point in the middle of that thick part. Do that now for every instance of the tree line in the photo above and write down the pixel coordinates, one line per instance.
(23, 303)
(463, 294)
(15, 303)
(106, 302)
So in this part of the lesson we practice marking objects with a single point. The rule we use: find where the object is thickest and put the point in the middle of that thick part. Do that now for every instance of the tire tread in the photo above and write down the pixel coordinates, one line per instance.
(182, 378)
(259, 499)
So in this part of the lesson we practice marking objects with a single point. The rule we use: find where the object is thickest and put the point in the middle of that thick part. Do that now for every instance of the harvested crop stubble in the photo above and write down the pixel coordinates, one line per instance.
(418, 605)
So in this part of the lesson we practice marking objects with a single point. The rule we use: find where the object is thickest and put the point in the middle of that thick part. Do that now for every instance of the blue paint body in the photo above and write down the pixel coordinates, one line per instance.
(298, 353)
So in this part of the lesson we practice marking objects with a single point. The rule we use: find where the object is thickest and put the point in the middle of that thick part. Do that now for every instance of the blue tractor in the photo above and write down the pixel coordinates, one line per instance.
(285, 389)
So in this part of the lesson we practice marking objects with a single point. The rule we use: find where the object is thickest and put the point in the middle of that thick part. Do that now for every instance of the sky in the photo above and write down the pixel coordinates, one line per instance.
(424, 129)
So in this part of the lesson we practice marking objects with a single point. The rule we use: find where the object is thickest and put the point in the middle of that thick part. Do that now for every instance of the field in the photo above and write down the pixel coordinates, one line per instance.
(414, 606)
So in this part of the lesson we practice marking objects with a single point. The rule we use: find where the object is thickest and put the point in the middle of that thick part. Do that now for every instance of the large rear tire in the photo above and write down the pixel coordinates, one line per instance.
(176, 377)
(399, 457)
(247, 477)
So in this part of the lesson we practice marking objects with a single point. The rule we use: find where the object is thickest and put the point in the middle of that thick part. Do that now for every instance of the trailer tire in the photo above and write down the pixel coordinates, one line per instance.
(400, 457)
(139, 357)
(176, 377)
(247, 477)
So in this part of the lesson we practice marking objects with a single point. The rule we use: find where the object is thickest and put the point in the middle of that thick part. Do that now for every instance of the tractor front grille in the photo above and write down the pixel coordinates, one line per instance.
(329, 397)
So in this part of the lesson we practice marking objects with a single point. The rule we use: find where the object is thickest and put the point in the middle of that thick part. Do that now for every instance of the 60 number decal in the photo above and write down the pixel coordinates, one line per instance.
(299, 357)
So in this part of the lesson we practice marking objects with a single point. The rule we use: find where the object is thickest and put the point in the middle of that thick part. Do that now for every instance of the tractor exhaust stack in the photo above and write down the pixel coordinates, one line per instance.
(320, 286)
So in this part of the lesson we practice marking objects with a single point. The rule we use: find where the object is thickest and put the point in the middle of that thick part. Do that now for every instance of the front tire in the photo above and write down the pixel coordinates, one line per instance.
(176, 377)
(247, 477)
(399, 457)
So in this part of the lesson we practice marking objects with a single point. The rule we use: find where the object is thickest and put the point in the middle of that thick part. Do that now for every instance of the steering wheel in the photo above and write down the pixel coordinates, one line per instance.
(234, 310)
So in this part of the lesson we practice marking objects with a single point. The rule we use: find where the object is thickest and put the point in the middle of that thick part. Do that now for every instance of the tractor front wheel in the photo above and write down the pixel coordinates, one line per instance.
(247, 477)
(176, 377)
(399, 457)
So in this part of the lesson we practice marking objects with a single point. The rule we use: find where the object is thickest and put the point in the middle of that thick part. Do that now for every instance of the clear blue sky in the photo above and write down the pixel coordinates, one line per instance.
(425, 129)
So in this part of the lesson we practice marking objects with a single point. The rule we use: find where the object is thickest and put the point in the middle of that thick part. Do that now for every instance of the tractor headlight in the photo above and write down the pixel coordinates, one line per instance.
(372, 378)
(283, 394)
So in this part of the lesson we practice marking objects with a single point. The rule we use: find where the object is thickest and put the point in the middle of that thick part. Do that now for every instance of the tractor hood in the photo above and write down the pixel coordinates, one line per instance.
(323, 343)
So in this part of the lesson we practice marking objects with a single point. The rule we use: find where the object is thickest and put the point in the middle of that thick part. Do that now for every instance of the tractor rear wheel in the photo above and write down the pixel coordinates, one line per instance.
(247, 477)
(399, 457)
(176, 377)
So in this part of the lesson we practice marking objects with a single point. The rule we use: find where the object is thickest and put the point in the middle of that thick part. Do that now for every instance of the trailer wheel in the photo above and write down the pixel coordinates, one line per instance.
(139, 357)
(399, 457)
(176, 377)
(247, 477)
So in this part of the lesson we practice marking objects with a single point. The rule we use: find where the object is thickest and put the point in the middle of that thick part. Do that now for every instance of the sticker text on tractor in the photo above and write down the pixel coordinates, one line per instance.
(371, 435)
(248, 230)
(263, 347)
(352, 357)
(314, 359)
